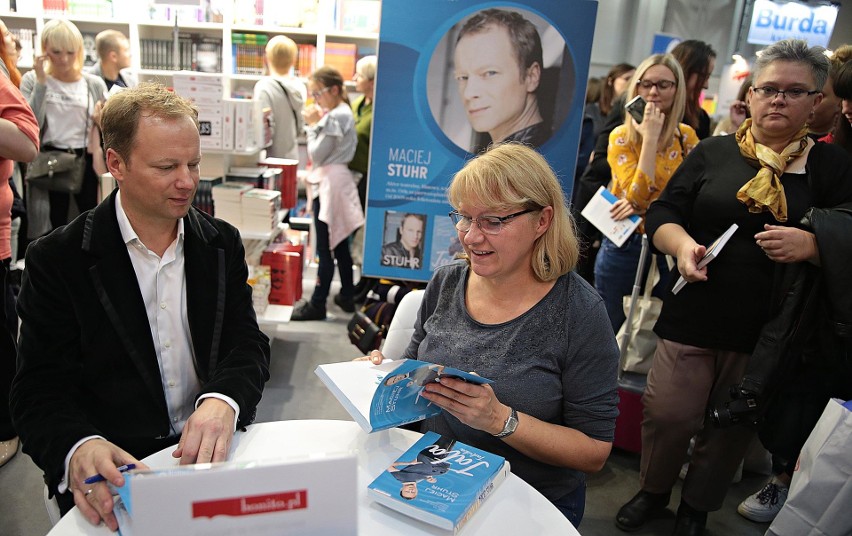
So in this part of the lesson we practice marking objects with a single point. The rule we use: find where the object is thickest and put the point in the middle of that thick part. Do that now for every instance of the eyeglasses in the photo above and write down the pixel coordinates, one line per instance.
(662, 85)
(316, 94)
(796, 93)
(491, 225)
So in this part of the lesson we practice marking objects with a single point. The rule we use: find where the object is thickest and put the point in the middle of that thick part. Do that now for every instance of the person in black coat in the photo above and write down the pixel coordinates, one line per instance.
(137, 325)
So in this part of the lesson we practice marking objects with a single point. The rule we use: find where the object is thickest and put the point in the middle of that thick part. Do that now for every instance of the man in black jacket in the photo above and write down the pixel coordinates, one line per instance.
(137, 330)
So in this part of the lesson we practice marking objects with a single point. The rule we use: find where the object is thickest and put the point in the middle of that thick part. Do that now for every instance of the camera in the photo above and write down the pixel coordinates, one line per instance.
(743, 407)
(636, 108)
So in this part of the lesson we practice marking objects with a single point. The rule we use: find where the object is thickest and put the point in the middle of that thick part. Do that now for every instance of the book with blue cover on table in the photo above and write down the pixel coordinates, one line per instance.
(383, 396)
(440, 481)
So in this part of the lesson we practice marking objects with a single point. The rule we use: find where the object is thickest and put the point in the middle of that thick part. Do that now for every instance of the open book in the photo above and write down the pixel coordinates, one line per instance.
(597, 212)
(440, 481)
(711, 253)
(387, 395)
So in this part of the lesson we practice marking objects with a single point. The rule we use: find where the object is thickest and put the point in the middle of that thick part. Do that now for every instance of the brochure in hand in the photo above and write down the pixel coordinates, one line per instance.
(440, 481)
(711, 253)
(383, 396)
(597, 212)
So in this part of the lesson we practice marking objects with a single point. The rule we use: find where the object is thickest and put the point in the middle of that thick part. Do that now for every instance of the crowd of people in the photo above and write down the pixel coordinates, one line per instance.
(533, 298)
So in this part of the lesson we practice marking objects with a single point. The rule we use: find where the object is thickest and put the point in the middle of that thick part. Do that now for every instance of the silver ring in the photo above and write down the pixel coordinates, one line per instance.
(88, 492)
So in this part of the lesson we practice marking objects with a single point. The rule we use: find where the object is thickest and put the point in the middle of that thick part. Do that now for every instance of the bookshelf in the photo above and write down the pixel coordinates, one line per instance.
(320, 25)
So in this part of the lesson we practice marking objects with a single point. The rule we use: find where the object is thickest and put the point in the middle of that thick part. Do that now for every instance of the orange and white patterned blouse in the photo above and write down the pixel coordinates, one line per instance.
(629, 182)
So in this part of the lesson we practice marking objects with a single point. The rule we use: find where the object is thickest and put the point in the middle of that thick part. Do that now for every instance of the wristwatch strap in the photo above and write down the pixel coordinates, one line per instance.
(510, 425)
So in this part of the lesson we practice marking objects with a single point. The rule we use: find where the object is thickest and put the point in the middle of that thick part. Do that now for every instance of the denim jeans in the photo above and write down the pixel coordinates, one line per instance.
(573, 505)
(615, 272)
(325, 270)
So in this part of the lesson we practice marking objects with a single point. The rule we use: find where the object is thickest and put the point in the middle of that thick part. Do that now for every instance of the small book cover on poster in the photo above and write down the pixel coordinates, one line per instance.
(597, 212)
(711, 253)
(383, 396)
(440, 481)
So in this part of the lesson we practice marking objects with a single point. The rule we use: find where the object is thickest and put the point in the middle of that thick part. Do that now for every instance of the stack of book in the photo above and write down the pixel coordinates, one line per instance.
(205, 90)
(260, 210)
(267, 178)
(227, 200)
(204, 194)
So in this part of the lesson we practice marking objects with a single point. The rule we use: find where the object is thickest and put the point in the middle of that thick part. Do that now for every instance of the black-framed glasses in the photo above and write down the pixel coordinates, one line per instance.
(769, 92)
(662, 85)
(487, 224)
(316, 94)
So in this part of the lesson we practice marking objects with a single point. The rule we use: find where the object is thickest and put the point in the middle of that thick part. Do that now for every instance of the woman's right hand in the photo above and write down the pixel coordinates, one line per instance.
(375, 356)
(652, 123)
(38, 67)
(689, 254)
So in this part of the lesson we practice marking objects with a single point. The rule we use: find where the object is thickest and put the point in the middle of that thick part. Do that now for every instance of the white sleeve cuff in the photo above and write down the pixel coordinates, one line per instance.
(63, 484)
(227, 399)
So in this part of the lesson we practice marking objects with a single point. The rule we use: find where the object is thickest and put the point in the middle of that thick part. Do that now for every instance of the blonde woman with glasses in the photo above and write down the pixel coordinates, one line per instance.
(514, 310)
(643, 156)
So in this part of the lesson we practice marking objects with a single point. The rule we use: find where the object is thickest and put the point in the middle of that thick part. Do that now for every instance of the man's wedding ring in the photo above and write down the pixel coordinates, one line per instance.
(88, 492)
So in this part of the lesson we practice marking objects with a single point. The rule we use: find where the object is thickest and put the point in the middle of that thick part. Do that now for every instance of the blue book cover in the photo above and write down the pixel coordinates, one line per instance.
(383, 396)
(440, 481)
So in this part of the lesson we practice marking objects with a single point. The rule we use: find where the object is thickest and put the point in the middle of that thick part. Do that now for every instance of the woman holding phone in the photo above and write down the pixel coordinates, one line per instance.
(65, 101)
(643, 153)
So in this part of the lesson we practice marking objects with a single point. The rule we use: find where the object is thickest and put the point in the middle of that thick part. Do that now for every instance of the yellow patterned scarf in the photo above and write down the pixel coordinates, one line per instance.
(765, 191)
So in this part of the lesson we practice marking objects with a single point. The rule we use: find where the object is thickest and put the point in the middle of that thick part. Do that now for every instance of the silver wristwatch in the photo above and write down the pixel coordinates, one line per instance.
(510, 426)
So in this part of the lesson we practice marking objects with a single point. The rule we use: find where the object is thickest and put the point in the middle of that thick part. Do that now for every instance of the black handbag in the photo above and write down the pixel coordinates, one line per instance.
(364, 333)
(58, 170)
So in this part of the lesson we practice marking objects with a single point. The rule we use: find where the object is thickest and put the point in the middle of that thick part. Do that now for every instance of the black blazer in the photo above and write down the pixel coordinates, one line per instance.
(86, 359)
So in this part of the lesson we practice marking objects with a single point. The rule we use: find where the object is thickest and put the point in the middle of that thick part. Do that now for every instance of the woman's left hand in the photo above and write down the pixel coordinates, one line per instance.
(474, 405)
(787, 244)
(622, 209)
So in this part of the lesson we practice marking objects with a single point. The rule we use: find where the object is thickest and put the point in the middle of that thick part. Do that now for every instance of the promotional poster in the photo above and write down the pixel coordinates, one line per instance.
(453, 77)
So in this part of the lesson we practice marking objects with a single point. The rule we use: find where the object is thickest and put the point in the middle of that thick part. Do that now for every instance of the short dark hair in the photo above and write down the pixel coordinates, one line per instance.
(121, 114)
(796, 51)
(522, 33)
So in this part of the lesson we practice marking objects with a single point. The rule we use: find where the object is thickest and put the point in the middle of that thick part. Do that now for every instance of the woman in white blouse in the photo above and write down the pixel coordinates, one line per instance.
(65, 101)
(332, 190)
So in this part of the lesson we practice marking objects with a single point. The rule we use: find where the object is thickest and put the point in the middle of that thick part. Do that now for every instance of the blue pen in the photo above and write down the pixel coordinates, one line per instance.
(100, 478)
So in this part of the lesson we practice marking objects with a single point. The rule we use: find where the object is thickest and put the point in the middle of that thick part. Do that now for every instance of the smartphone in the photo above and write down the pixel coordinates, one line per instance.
(636, 108)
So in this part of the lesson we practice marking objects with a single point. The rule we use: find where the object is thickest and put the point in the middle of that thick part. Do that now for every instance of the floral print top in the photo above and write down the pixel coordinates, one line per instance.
(629, 182)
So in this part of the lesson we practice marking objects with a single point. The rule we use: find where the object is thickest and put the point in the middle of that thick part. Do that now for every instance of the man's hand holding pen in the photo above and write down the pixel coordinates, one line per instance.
(98, 457)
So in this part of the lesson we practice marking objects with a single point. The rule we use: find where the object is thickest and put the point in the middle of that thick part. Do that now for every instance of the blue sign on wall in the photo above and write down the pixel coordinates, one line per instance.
(771, 22)
(450, 81)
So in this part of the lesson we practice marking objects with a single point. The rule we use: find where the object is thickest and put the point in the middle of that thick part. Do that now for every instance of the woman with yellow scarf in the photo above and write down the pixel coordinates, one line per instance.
(764, 178)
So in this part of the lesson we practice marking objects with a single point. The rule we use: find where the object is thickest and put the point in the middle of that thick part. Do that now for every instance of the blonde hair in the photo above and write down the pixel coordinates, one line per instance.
(512, 175)
(109, 41)
(123, 111)
(63, 34)
(673, 116)
(281, 53)
(366, 67)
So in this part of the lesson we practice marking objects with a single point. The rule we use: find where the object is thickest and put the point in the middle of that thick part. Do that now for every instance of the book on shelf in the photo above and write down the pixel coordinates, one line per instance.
(342, 57)
(710, 253)
(597, 211)
(440, 481)
(383, 396)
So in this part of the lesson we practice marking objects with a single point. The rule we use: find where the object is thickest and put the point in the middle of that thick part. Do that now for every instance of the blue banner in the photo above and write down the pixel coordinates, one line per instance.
(452, 77)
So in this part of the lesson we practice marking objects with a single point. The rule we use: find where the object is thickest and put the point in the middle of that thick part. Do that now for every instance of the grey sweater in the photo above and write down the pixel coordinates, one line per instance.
(557, 362)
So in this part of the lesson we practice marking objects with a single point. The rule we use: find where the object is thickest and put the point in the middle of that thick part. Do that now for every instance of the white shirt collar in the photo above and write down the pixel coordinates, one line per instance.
(127, 233)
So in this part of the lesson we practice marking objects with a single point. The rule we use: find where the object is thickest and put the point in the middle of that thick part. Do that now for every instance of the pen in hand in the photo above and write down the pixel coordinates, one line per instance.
(99, 478)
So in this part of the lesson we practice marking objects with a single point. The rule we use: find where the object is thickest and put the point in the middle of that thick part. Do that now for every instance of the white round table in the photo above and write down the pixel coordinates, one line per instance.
(514, 508)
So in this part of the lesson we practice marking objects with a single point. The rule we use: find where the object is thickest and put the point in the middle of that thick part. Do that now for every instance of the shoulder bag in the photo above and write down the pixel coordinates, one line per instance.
(59, 170)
